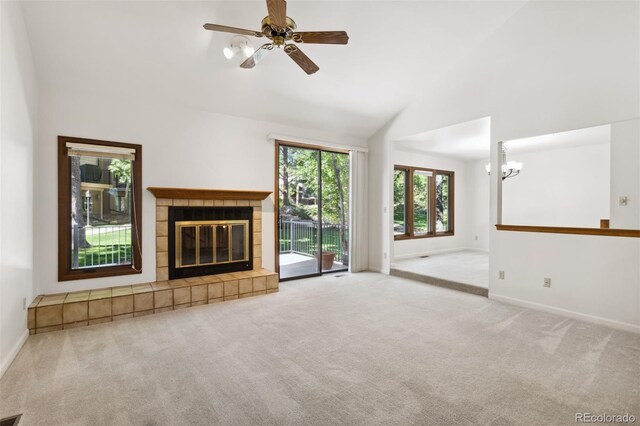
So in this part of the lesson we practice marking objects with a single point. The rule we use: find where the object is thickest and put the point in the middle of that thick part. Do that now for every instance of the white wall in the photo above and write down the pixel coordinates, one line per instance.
(625, 176)
(559, 187)
(181, 147)
(18, 112)
(477, 215)
(554, 66)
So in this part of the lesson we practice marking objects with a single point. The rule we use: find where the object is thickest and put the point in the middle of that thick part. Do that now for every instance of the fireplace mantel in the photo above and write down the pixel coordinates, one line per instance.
(207, 194)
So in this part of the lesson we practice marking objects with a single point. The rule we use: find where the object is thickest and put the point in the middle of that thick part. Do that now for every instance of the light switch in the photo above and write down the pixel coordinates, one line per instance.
(624, 201)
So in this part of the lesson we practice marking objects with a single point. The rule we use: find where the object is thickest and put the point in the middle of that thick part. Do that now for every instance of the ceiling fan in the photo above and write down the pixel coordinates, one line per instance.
(281, 30)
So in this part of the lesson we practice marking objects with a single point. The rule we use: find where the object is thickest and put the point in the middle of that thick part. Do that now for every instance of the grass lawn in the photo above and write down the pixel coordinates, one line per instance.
(109, 245)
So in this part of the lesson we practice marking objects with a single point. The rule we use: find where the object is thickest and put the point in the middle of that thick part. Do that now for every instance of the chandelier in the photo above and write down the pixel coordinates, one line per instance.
(509, 168)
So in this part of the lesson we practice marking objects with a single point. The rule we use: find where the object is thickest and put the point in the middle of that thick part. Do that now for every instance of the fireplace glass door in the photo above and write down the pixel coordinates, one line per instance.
(211, 242)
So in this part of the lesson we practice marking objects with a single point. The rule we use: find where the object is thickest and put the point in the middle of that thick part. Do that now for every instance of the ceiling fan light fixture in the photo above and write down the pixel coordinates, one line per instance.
(239, 46)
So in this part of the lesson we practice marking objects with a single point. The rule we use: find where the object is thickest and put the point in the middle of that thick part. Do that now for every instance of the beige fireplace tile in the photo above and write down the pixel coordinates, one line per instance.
(258, 293)
(225, 277)
(99, 308)
(143, 301)
(273, 290)
(234, 297)
(218, 203)
(75, 324)
(52, 299)
(74, 312)
(47, 316)
(121, 305)
(160, 285)
(257, 213)
(123, 316)
(242, 296)
(164, 202)
(181, 295)
(198, 293)
(162, 229)
(142, 288)
(165, 309)
(241, 274)
(162, 259)
(216, 290)
(124, 290)
(217, 300)
(162, 274)
(99, 320)
(230, 203)
(245, 286)
(259, 284)
(257, 237)
(181, 306)
(162, 244)
(196, 203)
(230, 288)
(257, 262)
(162, 213)
(48, 329)
(256, 203)
(243, 203)
(142, 313)
(178, 283)
(77, 296)
(31, 318)
(194, 280)
(257, 225)
(180, 203)
(163, 298)
(210, 279)
(198, 303)
(257, 250)
(272, 282)
(36, 301)
(208, 203)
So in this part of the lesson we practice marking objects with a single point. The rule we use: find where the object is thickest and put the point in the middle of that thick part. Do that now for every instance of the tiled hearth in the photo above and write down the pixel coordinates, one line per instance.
(67, 310)
(81, 308)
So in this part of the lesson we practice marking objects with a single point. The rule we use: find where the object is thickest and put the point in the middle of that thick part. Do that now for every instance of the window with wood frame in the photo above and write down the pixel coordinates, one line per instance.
(99, 208)
(422, 202)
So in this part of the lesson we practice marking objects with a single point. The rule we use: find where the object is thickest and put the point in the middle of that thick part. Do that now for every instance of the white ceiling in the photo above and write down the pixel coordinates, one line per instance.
(159, 50)
(467, 141)
(573, 138)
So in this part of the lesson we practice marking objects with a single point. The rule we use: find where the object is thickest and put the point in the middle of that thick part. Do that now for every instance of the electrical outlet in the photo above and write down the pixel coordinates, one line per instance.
(547, 282)
(501, 275)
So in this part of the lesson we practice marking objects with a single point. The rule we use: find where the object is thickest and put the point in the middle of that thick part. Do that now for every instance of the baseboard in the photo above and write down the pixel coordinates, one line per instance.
(378, 270)
(435, 252)
(567, 313)
(14, 352)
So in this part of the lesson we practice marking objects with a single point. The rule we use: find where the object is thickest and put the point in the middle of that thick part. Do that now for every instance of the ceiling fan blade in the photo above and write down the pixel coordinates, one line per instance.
(232, 30)
(301, 59)
(257, 56)
(277, 12)
(321, 37)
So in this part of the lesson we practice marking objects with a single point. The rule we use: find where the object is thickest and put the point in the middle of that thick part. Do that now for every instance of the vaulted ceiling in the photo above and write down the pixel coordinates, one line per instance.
(159, 50)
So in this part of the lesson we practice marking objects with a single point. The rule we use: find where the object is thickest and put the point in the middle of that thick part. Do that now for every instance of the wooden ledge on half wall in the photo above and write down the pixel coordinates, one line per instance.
(207, 194)
(631, 233)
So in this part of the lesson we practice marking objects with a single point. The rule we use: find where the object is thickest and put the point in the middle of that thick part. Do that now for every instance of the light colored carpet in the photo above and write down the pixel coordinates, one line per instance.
(464, 266)
(359, 350)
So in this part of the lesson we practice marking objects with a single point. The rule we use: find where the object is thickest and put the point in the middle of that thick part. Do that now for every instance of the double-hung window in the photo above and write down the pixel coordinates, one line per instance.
(422, 202)
(99, 208)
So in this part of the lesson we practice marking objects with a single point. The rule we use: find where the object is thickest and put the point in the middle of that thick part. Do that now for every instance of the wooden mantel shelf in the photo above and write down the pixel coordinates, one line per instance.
(207, 194)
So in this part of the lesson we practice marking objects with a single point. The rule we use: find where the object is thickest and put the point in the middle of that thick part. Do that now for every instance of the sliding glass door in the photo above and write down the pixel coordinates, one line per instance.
(313, 211)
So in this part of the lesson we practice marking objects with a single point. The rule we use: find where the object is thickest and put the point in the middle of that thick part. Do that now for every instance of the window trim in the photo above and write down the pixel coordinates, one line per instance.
(65, 273)
(408, 202)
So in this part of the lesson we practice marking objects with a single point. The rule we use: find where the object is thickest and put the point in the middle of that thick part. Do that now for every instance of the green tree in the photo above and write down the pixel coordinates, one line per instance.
(121, 170)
